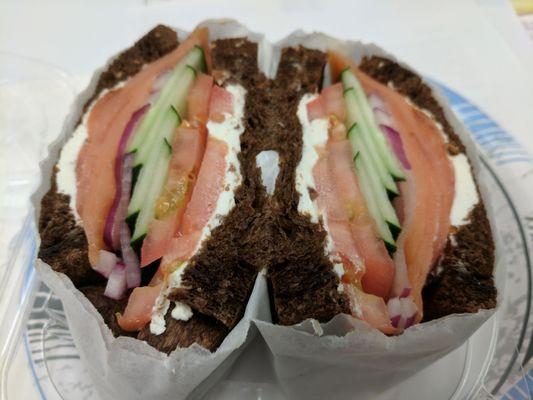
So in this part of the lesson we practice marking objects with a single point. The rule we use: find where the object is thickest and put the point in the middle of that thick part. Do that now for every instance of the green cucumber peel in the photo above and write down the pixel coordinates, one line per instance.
(203, 63)
(169, 146)
(395, 230)
(391, 248)
(193, 69)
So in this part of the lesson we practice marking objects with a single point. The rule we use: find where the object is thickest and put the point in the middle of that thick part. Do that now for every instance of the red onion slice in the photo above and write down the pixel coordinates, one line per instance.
(376, 101)
(395, 311)
(116, 284)
(396, 143)
(112, 227)
(106, 263)
(386, 123)
(133, 269)
(409, 312)
(383, 117)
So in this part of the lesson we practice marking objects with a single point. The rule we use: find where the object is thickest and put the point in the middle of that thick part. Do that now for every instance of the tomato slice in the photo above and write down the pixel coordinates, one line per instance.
(198, 100)
(221, 104)
(187, 152)
(208, 187)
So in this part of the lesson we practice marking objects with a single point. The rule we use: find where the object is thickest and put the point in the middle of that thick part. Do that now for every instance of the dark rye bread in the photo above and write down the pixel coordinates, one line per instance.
(301, 278)
(463, 280)
(200, 329)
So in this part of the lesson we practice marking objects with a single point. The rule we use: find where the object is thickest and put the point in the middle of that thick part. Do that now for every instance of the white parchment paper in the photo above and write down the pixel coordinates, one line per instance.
(341, 359)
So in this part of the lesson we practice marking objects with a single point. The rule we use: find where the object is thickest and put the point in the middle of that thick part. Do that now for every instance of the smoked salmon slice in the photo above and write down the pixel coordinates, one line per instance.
(106, 121)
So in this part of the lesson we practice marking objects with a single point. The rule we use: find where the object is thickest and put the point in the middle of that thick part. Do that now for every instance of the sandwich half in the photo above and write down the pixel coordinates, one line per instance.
(385, 177)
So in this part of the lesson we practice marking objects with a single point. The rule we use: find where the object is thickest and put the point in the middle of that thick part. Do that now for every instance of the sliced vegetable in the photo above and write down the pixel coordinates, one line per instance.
(129, 257)
(395, 141)
(116, 283)
(95, 169)
(375, 194)
(403, 312)
(116, 216)
(106, 263)
(374, 161)
(152, 177)
(174, 92)
(179, 90)
(188, 149)
(386, 124)
(365, 117)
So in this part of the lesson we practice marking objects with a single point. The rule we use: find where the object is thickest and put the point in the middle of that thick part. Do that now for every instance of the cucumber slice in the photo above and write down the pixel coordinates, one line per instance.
(377, 193)
(352, 116)
(383, 229)
(179, 103)
(365, 116)
(157, 180)
(167, 96)
(152, 175)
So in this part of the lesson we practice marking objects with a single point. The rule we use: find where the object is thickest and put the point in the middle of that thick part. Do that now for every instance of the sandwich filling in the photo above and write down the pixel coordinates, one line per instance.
(376, 172)
(228, 130)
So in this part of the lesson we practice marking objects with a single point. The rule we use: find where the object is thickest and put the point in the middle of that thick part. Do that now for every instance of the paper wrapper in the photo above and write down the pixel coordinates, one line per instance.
(334, 360)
